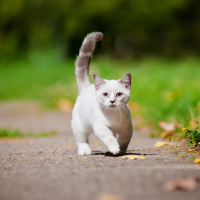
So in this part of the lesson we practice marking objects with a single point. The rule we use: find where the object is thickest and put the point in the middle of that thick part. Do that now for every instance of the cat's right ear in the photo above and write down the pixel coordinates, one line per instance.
(97, 81)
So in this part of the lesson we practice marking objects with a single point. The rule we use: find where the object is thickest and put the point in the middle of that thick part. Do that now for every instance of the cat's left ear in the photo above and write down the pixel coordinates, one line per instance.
(97, 81)
(126, 81)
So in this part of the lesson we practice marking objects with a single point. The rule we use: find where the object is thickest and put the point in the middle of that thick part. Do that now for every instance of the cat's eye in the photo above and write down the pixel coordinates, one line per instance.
(119, 94)
(105, 94)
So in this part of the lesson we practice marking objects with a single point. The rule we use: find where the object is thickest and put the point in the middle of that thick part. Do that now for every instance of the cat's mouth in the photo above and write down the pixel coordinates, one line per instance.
(112, 106)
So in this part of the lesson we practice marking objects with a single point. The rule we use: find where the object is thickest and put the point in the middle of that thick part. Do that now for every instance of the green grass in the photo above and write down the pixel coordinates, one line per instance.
(164, 89)
(7, 133)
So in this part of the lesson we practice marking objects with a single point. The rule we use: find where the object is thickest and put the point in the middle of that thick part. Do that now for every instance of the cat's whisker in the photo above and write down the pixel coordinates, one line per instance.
(119, 113)
(116, 114)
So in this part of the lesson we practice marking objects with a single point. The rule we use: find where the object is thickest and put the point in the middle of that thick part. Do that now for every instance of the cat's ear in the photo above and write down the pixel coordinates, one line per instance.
(97, 81)
(126, 81)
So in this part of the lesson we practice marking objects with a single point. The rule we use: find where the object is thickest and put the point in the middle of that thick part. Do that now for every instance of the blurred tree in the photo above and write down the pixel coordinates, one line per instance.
(130, 27)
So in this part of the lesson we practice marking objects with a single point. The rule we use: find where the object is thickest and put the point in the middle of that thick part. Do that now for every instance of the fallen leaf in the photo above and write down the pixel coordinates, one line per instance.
(111, 197)
(166, 134)
(134, 107)
(180, 126)
(193, 124)
(65, 105)
(187, 184)
(167, 126)
(96, 143)
(191, 149)
(197, 161)
(160, 144)
(133, 157)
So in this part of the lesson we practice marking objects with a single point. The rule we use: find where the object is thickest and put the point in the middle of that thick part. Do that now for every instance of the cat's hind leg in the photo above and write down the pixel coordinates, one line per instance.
(124, 140)
(81, 137)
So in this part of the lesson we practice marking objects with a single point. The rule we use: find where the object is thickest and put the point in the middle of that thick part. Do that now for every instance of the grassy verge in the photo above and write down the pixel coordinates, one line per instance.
(163, 89)
(7, 133)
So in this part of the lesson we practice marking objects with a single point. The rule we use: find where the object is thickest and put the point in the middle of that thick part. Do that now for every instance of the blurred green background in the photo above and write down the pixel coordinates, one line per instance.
(157, 41)
(131, 28)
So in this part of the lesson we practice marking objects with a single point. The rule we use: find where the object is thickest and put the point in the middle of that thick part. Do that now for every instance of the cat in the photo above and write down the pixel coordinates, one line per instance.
(100, 107)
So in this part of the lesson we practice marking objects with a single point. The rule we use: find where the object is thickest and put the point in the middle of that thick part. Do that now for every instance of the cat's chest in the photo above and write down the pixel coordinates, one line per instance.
(116, 123)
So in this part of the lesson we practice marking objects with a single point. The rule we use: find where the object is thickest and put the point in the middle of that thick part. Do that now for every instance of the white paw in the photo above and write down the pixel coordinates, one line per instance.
(114, 149)
(84, 151)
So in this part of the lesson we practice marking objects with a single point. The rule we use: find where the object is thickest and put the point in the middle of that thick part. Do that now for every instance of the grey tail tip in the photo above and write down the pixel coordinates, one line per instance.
(97, 35)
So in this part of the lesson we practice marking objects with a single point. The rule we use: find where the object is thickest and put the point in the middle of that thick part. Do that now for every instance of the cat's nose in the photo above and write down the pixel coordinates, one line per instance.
(112, 102)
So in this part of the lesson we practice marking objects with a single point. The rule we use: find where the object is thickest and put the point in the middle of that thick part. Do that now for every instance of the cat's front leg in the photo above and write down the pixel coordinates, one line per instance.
(81, 137)
(106, 136)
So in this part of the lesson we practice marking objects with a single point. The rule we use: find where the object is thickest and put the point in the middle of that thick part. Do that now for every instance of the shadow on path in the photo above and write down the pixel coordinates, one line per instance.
(110, 154)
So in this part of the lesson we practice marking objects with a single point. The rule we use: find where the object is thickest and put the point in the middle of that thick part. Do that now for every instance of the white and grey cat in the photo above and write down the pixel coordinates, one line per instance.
(100, 107)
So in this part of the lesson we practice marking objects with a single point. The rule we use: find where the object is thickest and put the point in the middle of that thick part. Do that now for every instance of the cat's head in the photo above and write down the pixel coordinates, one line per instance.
(112, 93)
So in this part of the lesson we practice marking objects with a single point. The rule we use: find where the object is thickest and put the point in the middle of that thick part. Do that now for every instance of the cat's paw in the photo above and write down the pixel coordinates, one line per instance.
(84, 151)
(114, 150)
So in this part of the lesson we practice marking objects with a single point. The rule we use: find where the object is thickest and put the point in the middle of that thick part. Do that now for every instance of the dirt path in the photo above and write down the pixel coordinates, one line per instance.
(49, 168)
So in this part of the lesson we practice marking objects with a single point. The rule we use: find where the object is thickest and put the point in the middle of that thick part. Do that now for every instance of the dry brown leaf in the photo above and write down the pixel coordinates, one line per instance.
(197, 161)
(167, 126)
(187, 184)
(193, 124)
(111, 197)
(134, 107)
(133, 157)
(160, 144)
(65, 105)
(166, 134)
(180, 126)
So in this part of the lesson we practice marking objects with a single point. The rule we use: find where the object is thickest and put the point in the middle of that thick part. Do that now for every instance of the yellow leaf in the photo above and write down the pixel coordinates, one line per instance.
(160, 144)
(111, 197)
(191, 150)
(65, 105)
(133, 157)
(197, 161)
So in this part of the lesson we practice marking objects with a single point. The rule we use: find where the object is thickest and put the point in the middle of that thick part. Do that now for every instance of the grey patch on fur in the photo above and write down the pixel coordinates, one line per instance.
(83, 60)
(90, 42)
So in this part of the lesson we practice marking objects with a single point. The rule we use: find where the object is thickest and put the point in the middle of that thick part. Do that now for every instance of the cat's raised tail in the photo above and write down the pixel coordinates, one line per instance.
(83, 60)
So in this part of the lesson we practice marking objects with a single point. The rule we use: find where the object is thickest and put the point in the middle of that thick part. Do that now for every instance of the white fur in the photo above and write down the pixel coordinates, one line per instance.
(93, 113)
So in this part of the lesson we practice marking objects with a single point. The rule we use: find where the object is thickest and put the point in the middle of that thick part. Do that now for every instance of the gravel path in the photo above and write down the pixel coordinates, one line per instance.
(49, 168)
